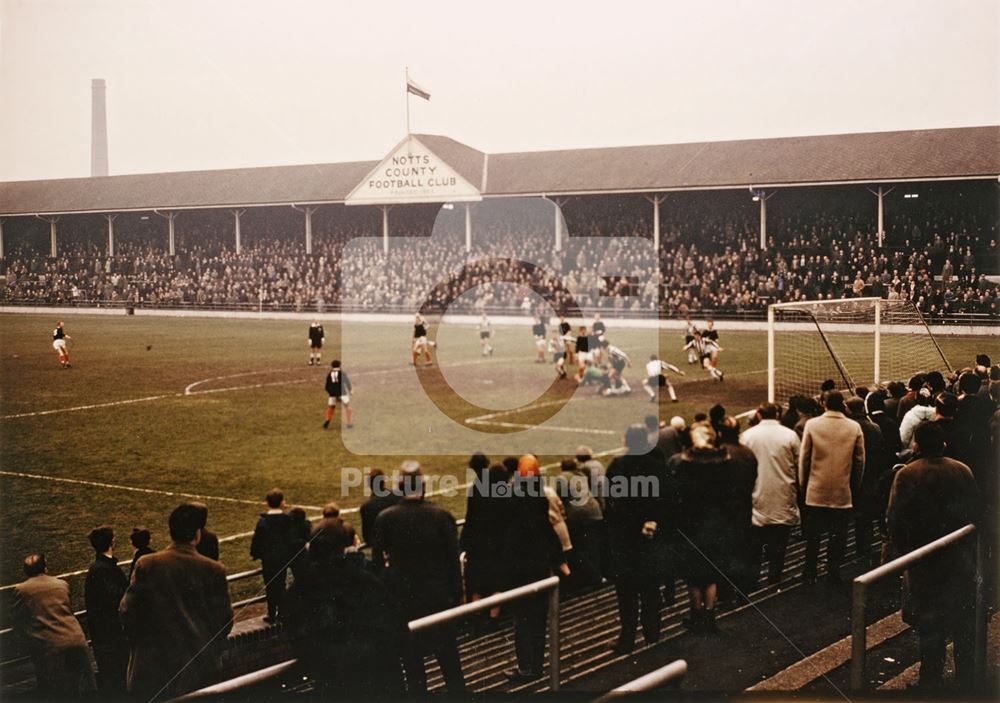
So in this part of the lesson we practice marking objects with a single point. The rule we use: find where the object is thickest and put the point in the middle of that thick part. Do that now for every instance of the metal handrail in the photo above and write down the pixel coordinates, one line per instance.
(550, 584)
(674, 671)
(859, 598)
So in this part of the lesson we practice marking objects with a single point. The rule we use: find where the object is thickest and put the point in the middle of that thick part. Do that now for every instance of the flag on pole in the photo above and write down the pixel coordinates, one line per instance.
(412, 87)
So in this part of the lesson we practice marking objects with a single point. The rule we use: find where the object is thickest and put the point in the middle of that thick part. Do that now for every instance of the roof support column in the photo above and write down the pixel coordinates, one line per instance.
(656, 200)
(236, 221)
(880, 194)
(468, 229)
(385, 228)
(559, 202)
(111, 233)
(52, 233)
(309, 225)
(762, 197)
(1, 237)
(169, 217)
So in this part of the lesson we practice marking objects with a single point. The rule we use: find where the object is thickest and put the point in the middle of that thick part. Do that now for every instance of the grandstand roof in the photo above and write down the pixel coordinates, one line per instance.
(967, 152)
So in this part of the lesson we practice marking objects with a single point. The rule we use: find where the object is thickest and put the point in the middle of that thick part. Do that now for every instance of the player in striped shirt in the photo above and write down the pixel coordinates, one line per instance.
(558, 350)
(656, 378)
(708, 353)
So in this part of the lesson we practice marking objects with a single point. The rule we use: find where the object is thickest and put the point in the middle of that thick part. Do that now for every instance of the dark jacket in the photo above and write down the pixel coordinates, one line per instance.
(420, 542)
(102, 594)
(370, 511)
(877, 463)
(487, 521)
(531, 548)
(931, 497)
(890, 433)
(346, 630)
(177, 614)
(274, 540)
(208, 545)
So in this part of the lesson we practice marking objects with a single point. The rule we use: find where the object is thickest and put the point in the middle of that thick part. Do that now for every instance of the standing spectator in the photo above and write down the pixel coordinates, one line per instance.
(300, 531)
(585, 521)
(208, 545)
(670, 438)
(103, 591)
(831, 462)
(877, 463)
(344, 626)
(639, 517)
(487, 519)
(176, 613)
(42, 614)
(532, 551)
(274, 544)
(594, 470)
(381, 496)
(140, 539)
(931, 497)
(419, 541)
(739, 565)
(776, 491)
(921, 411)
(907, 401)
(879, 414)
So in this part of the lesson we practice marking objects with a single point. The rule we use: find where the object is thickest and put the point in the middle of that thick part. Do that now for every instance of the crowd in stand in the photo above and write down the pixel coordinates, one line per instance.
(705, 502)
(707, 263)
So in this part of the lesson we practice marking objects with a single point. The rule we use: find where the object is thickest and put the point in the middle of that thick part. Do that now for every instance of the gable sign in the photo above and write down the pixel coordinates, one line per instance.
(412, 173)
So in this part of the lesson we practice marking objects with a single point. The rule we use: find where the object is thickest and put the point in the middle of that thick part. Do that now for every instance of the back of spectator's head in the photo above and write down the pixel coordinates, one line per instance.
(995, 391)
(331, 510)
(185, 521)
(896, 389)
(637, 439)
(700, 417)
(703, 436)
(834, 400)
(875, 402)
(861, 392)
(528, 466)
(678, 424)
(929, 438)
(329, 539)
(916, 381)
(510, 463)
(716, 414)
(810, 407)
(983, 360)
(202, 510)
(945, 404)
(568, 465)
(101, 538)
(479, 462)
(995, 372)
(584, 453)
(652, 422)
(140, 537)
(34, 564)
(925, 397)
(729, 430)
(969, 383)
(935, 380)
(297, 513)
(411, 479)
(856, 407)
(376, 481)
(275, 497)
(768, 411)
(827, 385)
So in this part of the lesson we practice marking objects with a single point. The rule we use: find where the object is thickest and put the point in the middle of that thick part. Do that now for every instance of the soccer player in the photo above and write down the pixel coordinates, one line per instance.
(558, 350)
(656, 378)
(485, 335)
(420, 341)
(316, 339)
(618, 358)
(582, 349)
(710, 331)
(538, 331)
(59, 338)
(689, 329)
(708, 354)
(565, 332)
(598, 327)
(338, 388)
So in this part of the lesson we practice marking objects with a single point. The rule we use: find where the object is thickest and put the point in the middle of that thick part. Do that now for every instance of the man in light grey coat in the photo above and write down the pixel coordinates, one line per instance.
(831, 464)
(776, 492)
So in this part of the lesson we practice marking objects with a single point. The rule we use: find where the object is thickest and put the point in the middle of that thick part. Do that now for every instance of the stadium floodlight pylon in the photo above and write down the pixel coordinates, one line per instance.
(853, 341)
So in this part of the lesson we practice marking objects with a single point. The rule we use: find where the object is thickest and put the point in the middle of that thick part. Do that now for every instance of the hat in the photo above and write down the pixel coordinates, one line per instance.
(528, 465)
(584, 450)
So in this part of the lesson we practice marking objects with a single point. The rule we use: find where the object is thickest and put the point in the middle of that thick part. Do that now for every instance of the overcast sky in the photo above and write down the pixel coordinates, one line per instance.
(194, 84)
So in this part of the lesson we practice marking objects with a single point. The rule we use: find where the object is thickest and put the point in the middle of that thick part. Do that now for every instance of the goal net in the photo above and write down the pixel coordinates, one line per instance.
(855, 342)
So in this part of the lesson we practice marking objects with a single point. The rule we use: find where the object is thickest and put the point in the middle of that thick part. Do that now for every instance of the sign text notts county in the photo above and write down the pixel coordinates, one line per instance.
(414, 171)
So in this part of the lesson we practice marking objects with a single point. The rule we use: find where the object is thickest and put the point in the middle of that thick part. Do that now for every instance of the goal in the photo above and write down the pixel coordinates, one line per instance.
(854, 341)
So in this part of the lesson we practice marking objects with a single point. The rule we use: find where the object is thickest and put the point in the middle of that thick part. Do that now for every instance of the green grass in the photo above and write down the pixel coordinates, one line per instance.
(238, 443)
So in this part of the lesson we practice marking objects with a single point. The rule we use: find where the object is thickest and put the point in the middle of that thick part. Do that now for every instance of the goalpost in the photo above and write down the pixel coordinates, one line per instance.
(853, 341)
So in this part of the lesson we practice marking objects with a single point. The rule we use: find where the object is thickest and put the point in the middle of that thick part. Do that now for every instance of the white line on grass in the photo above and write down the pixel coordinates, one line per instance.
(91, 407)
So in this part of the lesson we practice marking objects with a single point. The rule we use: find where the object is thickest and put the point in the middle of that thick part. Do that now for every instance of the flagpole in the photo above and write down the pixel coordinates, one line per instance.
(407, 101)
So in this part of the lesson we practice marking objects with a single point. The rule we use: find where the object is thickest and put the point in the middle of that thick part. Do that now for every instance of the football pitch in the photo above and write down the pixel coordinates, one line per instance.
(157, 410)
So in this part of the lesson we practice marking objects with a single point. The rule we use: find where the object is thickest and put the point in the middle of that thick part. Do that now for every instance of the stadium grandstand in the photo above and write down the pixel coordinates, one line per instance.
(737, 225)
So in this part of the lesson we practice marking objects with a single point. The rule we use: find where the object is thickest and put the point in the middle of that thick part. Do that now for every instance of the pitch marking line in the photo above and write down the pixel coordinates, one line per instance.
(90, 407)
